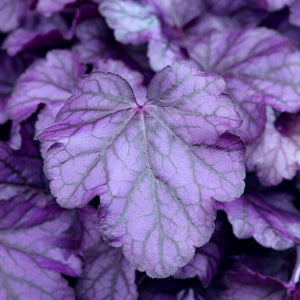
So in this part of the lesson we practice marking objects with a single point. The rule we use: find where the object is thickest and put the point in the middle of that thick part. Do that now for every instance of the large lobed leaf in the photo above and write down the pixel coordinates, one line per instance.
(157, 164)
(259, 66)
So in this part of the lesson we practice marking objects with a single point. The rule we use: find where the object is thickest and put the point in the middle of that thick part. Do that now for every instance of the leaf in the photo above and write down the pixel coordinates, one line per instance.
(271, 219)
(157, 164)
(295, 13)
(48, 7)
(37, 31)
(225, 7)
(243, 281)
(21, 171)
(10, 69)
(258, 65)
(11, 11)
(106, 273)
(131, 21)
(175, 12)
(34, 253)
(47, 81)
(161, 53)
(93, 35)
(272, 5)
(275, 155)
(134, 78)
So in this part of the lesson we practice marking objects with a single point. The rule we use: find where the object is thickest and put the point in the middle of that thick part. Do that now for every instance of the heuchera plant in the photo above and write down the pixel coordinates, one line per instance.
(150, 149)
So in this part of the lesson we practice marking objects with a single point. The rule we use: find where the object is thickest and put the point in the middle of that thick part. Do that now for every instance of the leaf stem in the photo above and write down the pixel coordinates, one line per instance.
(296, 273)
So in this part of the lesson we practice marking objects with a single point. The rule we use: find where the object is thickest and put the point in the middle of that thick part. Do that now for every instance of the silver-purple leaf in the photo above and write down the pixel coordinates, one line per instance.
(92, 36)
(35, 251)
(37, 31)
(132, 22)
(295, 13)
(158, 164)
(177, 13)
(271, 219)
(11, 11)
(276, 154)
(259, 66)
(49, 7)
(47, 81)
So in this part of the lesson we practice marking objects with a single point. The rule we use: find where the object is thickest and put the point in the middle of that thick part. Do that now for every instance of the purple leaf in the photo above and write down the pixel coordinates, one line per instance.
(134, 78)
(106, 273)
(275, 155)
(175, 12)
(259, 66)
(244, 281)
(38, 31)
(272, 5)
(21, 171)
(131, 21)
(34, 252)
(49, 7)
(225, 7)
(153, 203)
(47, 81)
(162, 53)
(11, 11)
(295, 13)
(92, 35)
(271, 219)
(10, 70)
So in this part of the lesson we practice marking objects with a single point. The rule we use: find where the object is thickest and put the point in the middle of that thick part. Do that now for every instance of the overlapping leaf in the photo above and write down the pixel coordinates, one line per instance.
(92, 35)
(21, 170)
(259, 67)
(35, 250)
(243, 281)
(47, 81)
(48, 7)
(10, 70)
(37, 31)
(276, 154)
(271, 219)
(295, 13)
(132, 22)
(11, 11)
(106, 273)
